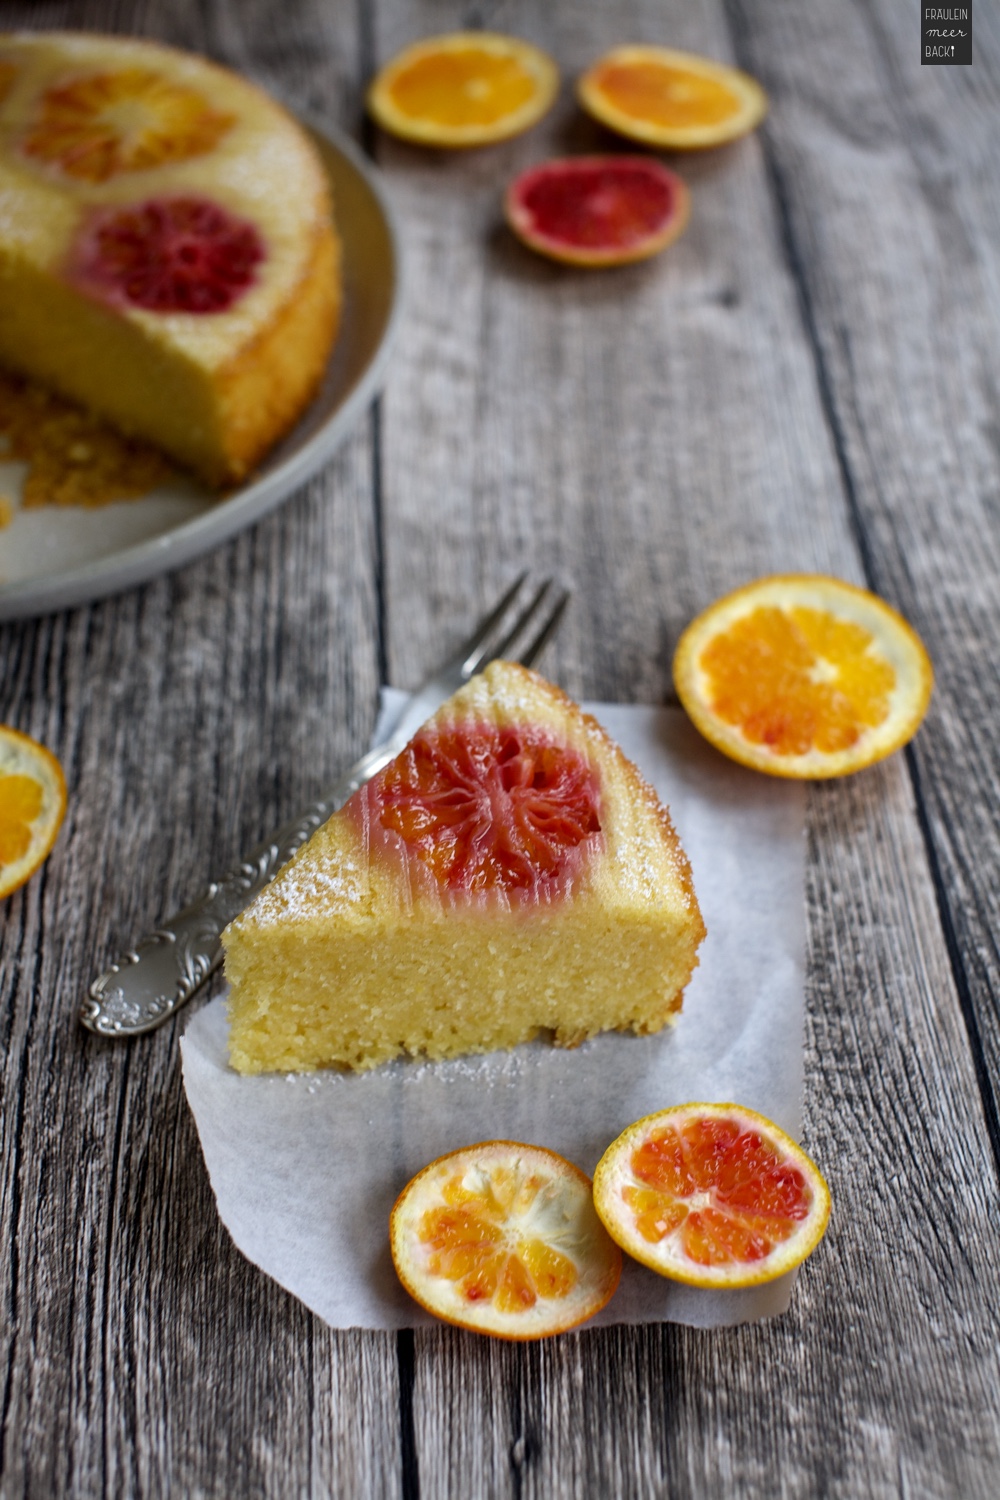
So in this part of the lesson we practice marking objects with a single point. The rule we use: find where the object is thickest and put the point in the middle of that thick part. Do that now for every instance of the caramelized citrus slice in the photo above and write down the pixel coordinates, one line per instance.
(484, 808)
(467, 88)
(167, 255)
(803, 676)
(32, 806)
(95, 127)
(711, 1194)
(598, 210)
(502, 1238)
(672, 99)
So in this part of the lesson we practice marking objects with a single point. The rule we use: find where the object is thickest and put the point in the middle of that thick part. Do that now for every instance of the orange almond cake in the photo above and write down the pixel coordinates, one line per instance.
(510, 873)
(168, 256)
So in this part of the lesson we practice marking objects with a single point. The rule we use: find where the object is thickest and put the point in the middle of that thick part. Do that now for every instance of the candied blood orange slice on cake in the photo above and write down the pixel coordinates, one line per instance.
(168, 255)
(598, 210)
(673, 99)
(490, 808)
(713, 1195)
(502, 1238)
(32, 806)
(95, 127)
(467, 88)
(804, 676)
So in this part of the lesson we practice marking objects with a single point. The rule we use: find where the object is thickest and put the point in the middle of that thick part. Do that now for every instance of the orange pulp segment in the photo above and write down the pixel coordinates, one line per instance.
(713, 1195)
(32, 806)
(502, 1238)
(803, 676)
(95, 127)
(668, 98)
(463, 89)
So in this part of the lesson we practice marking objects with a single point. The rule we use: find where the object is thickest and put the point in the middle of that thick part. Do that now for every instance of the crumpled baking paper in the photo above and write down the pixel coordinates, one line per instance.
(305, 1168)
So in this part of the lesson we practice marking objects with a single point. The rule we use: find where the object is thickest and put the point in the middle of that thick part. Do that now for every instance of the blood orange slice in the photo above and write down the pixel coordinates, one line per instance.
(803, 676)
(713, 1195)
(489, 809)
(32, 806)
(503, 1238)
(467, 88)
(168, 255)
(598, 210)
(672, 99)
(95, 127)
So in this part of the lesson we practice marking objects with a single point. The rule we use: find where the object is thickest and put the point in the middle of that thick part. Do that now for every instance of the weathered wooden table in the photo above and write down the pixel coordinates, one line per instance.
(808, 380)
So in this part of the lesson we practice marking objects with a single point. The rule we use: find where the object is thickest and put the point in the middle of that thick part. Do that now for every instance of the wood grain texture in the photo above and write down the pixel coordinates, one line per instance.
(772, 394)
(891, 203)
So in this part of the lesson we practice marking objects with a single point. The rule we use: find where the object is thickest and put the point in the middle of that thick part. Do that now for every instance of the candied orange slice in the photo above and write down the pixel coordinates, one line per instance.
(484, 808)
(32, 806)
(502, 1238)
(467, 88)
(672, 99)
(713, 1195)
(804, 676)
(95, 127)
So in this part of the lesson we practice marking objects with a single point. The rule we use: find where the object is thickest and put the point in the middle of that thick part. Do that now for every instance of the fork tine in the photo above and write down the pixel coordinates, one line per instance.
(465, 657)
(533, 650)
(523, 620)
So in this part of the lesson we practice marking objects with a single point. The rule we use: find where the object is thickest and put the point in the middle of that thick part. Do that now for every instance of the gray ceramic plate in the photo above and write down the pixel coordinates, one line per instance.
(55, 558)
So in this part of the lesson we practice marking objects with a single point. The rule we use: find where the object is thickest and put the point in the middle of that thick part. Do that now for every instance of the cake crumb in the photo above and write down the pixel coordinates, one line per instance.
(73, 458)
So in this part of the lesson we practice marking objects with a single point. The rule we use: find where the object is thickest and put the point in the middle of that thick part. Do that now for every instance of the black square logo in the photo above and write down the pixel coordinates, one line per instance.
(946, 35)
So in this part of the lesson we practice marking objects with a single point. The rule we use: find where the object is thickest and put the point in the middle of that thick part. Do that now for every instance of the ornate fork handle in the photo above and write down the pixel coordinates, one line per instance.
(144, 987)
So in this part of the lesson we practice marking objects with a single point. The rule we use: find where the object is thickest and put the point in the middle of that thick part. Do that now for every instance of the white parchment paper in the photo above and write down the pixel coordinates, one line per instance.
(305, 1168)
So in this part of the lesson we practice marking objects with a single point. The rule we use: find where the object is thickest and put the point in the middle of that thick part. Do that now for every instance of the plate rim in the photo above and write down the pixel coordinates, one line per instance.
(141, 562)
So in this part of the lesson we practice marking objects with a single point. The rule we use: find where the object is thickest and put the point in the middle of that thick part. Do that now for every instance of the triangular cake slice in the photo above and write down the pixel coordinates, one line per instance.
(509, 874)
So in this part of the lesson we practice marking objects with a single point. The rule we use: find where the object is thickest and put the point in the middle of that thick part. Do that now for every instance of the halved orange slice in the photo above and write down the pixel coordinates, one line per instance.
(598, 211)
(502, 1238)
(672, 99)
(804, 676)
(467, 88)
(32, 806)
(713, 1195)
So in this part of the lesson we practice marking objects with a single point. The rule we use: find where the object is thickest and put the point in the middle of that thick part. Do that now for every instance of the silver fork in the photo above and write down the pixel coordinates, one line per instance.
(145, 986)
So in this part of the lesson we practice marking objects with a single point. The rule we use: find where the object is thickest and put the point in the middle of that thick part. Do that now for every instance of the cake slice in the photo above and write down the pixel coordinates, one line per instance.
(509, 874)
(168, 256)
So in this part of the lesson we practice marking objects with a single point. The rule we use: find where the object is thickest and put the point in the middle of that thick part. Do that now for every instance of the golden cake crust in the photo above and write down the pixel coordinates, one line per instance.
(82, 118)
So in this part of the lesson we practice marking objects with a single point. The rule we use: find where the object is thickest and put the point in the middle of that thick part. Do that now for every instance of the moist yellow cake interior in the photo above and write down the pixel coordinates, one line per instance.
(340, 963)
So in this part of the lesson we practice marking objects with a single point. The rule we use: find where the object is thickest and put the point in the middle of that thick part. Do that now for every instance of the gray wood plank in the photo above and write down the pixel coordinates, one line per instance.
(891, 202)
(140, 1354)
(662, 433)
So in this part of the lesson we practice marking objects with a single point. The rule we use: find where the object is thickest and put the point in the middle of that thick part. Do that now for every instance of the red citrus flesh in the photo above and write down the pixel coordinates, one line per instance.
(481, 808)
(750, 1200)
(168, 255)
(598, 210)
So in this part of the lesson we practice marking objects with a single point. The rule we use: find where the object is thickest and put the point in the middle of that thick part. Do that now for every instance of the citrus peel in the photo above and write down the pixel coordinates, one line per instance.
(671, 99)
(502, 1238)
(32, 806)
(800, 675)
(466, 88)
(712, 1195)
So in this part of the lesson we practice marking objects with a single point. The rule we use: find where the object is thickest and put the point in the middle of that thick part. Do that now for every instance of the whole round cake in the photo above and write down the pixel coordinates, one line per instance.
(168, 256)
